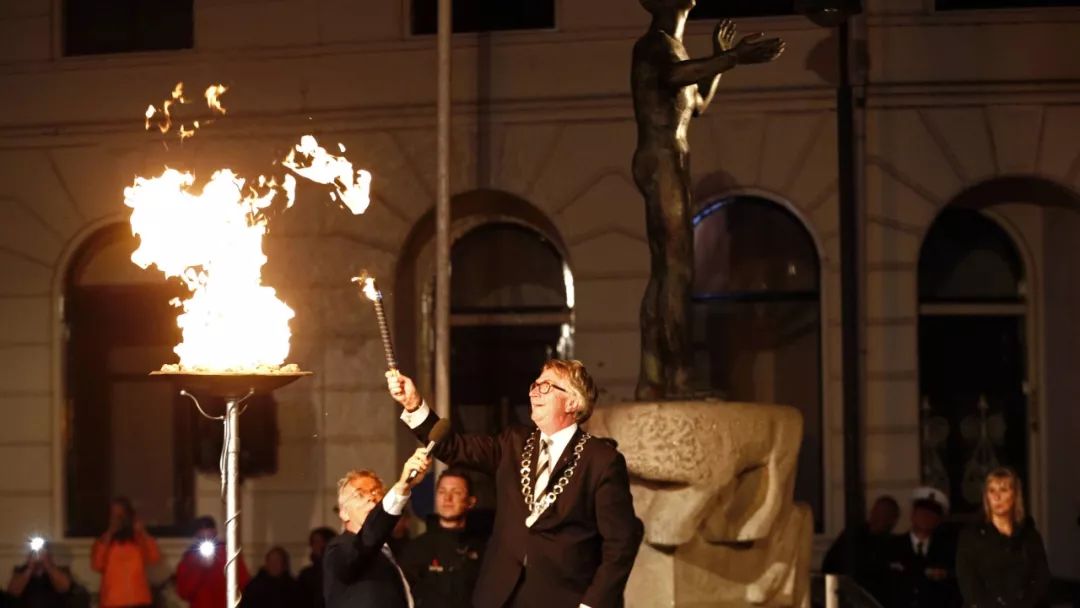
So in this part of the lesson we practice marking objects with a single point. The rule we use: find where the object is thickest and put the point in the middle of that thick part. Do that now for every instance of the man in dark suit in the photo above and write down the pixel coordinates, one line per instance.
(359, 570)
(565, 532)
(922, 562)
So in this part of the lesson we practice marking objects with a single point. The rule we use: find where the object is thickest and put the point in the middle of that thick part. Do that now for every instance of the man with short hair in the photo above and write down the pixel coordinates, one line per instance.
(443, 563)
(565, 532)
(359, 570)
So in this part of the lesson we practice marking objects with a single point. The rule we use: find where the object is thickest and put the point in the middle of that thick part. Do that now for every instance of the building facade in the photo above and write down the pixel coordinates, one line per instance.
(967, 125)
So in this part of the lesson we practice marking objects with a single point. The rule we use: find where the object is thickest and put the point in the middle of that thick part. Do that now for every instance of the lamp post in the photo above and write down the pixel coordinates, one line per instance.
(836, 14)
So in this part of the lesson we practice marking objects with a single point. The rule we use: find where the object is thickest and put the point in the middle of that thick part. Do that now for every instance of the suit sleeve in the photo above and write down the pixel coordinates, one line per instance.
(346, 561)
(620, 532)
(480, 452)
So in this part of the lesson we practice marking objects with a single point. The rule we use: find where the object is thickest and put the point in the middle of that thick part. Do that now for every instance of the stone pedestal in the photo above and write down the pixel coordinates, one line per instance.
(713, 483)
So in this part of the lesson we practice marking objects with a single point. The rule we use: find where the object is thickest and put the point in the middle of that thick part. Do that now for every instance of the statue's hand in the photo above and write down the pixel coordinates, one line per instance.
(757, 49)
(723, 36)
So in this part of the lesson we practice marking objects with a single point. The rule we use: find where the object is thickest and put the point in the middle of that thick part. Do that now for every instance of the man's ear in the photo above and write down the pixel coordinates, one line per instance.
(573, 404)
(470, 503)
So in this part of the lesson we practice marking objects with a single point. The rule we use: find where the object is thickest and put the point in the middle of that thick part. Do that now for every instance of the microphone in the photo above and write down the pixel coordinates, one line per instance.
(437, 434)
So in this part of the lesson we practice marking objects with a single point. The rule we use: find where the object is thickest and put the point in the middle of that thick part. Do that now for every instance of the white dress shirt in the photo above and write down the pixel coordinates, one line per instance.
(915, 540)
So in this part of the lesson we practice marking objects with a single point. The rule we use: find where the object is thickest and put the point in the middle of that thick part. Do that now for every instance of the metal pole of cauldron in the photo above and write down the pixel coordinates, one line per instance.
(442, 217)
(232, 491)
(227, 387)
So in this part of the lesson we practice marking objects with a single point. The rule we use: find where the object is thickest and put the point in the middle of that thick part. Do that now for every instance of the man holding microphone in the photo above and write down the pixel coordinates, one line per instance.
(359, 570)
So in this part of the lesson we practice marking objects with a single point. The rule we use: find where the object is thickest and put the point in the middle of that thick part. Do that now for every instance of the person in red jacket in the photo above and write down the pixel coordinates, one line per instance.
(200, 577)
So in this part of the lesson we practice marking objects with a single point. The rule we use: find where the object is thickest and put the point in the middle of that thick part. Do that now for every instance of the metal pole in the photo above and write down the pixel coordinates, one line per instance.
(232, 513)
(442, 218)
(854, 504)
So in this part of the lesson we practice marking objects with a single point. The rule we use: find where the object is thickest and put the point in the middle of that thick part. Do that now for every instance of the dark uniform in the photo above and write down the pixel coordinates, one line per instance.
(911, 584)
(442, 566)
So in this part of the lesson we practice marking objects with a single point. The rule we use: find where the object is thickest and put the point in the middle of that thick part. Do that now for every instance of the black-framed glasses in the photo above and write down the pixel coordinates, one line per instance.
(544, 387)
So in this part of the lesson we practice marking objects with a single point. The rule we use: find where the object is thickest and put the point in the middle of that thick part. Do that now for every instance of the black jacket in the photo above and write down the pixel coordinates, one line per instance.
(356, 573)
(311, 585)
(911, 584)
(582, 547)
(443, 565)
(265, 591)
(1003, 571)
(863, 556)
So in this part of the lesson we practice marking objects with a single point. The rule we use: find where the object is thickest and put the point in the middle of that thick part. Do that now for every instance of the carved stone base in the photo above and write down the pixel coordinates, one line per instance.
(713, 483)
(699, 574)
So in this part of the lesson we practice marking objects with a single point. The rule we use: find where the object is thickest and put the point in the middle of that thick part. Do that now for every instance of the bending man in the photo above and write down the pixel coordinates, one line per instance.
(359, 570)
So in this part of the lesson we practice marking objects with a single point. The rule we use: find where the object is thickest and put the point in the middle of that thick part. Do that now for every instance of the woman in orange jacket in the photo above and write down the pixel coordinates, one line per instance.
(122, 555)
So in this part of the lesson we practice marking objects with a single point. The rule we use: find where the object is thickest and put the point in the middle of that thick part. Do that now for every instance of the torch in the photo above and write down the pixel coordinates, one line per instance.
(372, 292)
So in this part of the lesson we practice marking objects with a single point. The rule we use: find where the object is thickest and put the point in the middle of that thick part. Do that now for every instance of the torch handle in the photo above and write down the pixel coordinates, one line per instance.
(384, 333)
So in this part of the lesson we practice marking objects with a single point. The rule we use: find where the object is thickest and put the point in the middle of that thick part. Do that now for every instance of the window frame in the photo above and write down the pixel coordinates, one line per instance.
(823, 521)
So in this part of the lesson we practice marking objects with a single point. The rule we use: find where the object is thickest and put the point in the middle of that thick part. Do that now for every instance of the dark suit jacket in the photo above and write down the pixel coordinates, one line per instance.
(910, 587)
(580, 550)
(356, 574)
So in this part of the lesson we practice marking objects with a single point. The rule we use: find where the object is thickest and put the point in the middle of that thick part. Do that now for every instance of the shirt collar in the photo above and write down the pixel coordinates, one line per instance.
(560, 438)
(915, 540)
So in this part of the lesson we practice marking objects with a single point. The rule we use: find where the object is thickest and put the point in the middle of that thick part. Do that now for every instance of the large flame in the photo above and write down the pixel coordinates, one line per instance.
(212, 240)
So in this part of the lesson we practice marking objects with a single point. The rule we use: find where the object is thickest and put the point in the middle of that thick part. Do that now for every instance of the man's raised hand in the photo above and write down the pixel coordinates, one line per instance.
(403, 390)
(419, 462)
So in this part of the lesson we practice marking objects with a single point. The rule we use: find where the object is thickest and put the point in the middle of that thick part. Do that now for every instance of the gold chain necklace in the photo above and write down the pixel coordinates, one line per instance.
(526, 474)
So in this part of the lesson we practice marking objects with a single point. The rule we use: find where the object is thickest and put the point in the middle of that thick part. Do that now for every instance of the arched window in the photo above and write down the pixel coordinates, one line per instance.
(757, 318)
(511, 301)
(126, 433)
(972, 361)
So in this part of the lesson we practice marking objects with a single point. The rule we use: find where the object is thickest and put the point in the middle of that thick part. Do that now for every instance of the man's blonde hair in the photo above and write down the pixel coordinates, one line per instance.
(580, 382)
(1008, 475)
(345, 483)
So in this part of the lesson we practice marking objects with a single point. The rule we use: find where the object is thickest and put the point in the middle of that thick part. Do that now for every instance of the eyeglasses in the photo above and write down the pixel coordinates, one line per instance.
(373, 495)
(544, 387)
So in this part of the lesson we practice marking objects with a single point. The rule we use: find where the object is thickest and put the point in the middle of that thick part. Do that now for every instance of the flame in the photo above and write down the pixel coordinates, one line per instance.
(212, 240)
(164, 115)
(213, 92)
(353, 189)
(367, 285)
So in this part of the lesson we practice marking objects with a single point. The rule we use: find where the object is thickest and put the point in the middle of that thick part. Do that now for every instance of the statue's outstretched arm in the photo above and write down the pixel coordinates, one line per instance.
(705, 73)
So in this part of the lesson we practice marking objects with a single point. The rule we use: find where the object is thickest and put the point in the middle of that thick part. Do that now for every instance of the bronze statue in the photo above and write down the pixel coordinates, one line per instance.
(669, 88)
